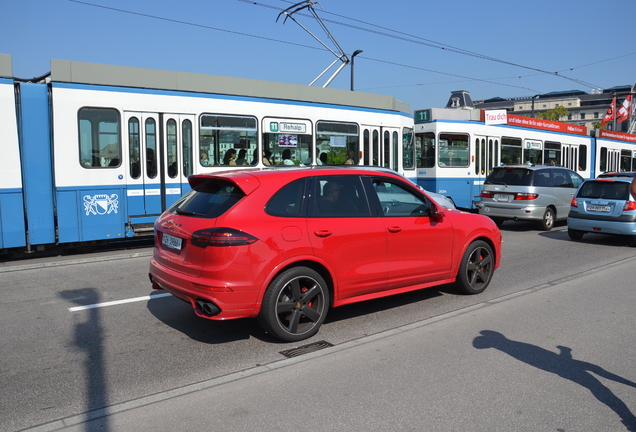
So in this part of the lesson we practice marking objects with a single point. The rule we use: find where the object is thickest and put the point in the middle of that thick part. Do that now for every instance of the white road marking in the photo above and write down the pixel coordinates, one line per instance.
(118, 302)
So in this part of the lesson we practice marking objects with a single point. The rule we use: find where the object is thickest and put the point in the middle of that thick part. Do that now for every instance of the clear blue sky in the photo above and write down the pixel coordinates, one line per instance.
(515, 47)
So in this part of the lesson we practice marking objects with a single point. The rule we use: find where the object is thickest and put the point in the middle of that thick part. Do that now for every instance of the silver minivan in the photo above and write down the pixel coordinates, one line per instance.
(529, 193)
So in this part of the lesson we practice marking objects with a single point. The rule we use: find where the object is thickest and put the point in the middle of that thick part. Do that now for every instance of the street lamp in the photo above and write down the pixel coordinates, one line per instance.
(352, 57)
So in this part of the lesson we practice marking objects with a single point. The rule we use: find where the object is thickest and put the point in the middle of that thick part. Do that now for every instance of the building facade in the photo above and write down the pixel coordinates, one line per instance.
(585, 109)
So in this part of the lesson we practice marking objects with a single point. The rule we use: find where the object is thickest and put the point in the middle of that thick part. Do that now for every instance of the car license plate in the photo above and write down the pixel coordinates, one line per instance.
(171, 242)
(502, 197)
(598, 208)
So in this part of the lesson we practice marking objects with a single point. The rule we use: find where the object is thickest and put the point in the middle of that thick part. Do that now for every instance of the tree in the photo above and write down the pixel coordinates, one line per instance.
(554, 114)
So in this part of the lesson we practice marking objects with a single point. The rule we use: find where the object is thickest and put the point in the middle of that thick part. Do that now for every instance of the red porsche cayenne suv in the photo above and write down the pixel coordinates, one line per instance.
(285, 245)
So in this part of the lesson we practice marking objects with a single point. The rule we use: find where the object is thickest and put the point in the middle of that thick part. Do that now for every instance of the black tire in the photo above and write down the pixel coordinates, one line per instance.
(575, 234)
(476, 268)
(295, 304)
(547, 223)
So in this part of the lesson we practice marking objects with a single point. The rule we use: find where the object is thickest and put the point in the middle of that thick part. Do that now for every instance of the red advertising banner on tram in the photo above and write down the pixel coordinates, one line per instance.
(536, 123)
(622, 136)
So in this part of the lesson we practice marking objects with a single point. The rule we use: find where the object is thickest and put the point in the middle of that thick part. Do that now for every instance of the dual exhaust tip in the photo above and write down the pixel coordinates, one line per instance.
(206, 308)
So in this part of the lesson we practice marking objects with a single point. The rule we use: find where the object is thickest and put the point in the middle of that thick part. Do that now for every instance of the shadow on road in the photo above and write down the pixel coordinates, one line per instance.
(180, 316)
(89, 338)
(563, 365)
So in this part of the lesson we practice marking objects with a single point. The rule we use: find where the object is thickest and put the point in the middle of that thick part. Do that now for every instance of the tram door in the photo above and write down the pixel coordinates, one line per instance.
(570, 157)
(486, 156)
(613, 163)
(372, 146)
(159, 148)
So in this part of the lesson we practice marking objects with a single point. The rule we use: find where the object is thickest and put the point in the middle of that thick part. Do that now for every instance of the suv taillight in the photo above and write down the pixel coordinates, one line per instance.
(574, 202)
(221, 237)
(526, 196)
(485, 194)
(629, 205)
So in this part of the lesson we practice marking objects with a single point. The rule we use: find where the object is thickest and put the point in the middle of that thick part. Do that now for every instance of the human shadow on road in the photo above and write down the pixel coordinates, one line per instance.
(89, 337)
(563, 365)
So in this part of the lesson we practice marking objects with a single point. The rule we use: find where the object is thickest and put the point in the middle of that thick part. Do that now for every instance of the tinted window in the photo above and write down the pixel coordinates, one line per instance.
(562, 179)
(577, 180)
(605, 189)
(510, 177)
(339, 196)
(288, 201)
(209, 199)
(397, 200)
(543, 178)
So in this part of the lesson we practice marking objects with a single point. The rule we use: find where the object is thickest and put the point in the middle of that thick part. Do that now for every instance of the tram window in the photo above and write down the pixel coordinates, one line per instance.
(582, 158)
(511, 151)
(552, 153)
(453, 150)
(336, 140)
(367, 147)
(288, 149)
(376, 148)
(533, 156)
(425, 148)
(394, 146)
(220, 134)
(478, 157)
(408, 149)
(99, 139)
(150, 131)
(134, 147)
(626, 160)
(387, 149)
(186, 138)
(171, 141)
(603, 161)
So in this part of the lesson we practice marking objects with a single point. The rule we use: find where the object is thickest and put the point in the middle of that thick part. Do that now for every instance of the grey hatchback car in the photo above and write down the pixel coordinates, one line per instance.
(529, 193)
(603, 206)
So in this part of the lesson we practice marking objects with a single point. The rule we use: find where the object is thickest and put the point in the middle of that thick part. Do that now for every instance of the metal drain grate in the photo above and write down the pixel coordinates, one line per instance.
(305, 349)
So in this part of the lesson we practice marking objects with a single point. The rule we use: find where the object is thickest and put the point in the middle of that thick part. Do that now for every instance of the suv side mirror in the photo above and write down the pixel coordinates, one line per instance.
(437, 212)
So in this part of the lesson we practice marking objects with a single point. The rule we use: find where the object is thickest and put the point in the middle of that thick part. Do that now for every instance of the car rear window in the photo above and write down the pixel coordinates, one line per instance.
(510, 177)
(605, 189)
(209, 199)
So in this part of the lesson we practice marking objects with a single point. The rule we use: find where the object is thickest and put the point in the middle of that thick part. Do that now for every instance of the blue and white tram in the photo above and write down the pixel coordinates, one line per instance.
(455, 150)
(105, 149)
(616, 152)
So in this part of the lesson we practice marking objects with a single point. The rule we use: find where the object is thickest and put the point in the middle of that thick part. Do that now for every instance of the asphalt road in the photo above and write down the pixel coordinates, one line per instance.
(58, 362)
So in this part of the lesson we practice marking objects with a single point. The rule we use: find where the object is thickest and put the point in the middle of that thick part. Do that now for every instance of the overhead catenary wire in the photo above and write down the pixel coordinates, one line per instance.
(398, 35)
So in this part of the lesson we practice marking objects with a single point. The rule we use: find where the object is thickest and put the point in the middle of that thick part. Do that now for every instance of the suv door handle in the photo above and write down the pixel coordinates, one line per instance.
(323, 233)
(394, 229)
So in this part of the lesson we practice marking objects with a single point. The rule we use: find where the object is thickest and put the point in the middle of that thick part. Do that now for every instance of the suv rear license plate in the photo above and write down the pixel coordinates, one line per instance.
(502, 197)
(598, 208)
(171, 242)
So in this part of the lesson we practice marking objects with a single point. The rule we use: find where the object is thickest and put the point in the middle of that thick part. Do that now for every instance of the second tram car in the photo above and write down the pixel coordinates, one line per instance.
(455, 150)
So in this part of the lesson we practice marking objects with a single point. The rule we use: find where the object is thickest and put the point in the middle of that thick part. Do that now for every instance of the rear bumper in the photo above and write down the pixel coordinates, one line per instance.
(232, 304)
(517, 213)
(602, 227)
